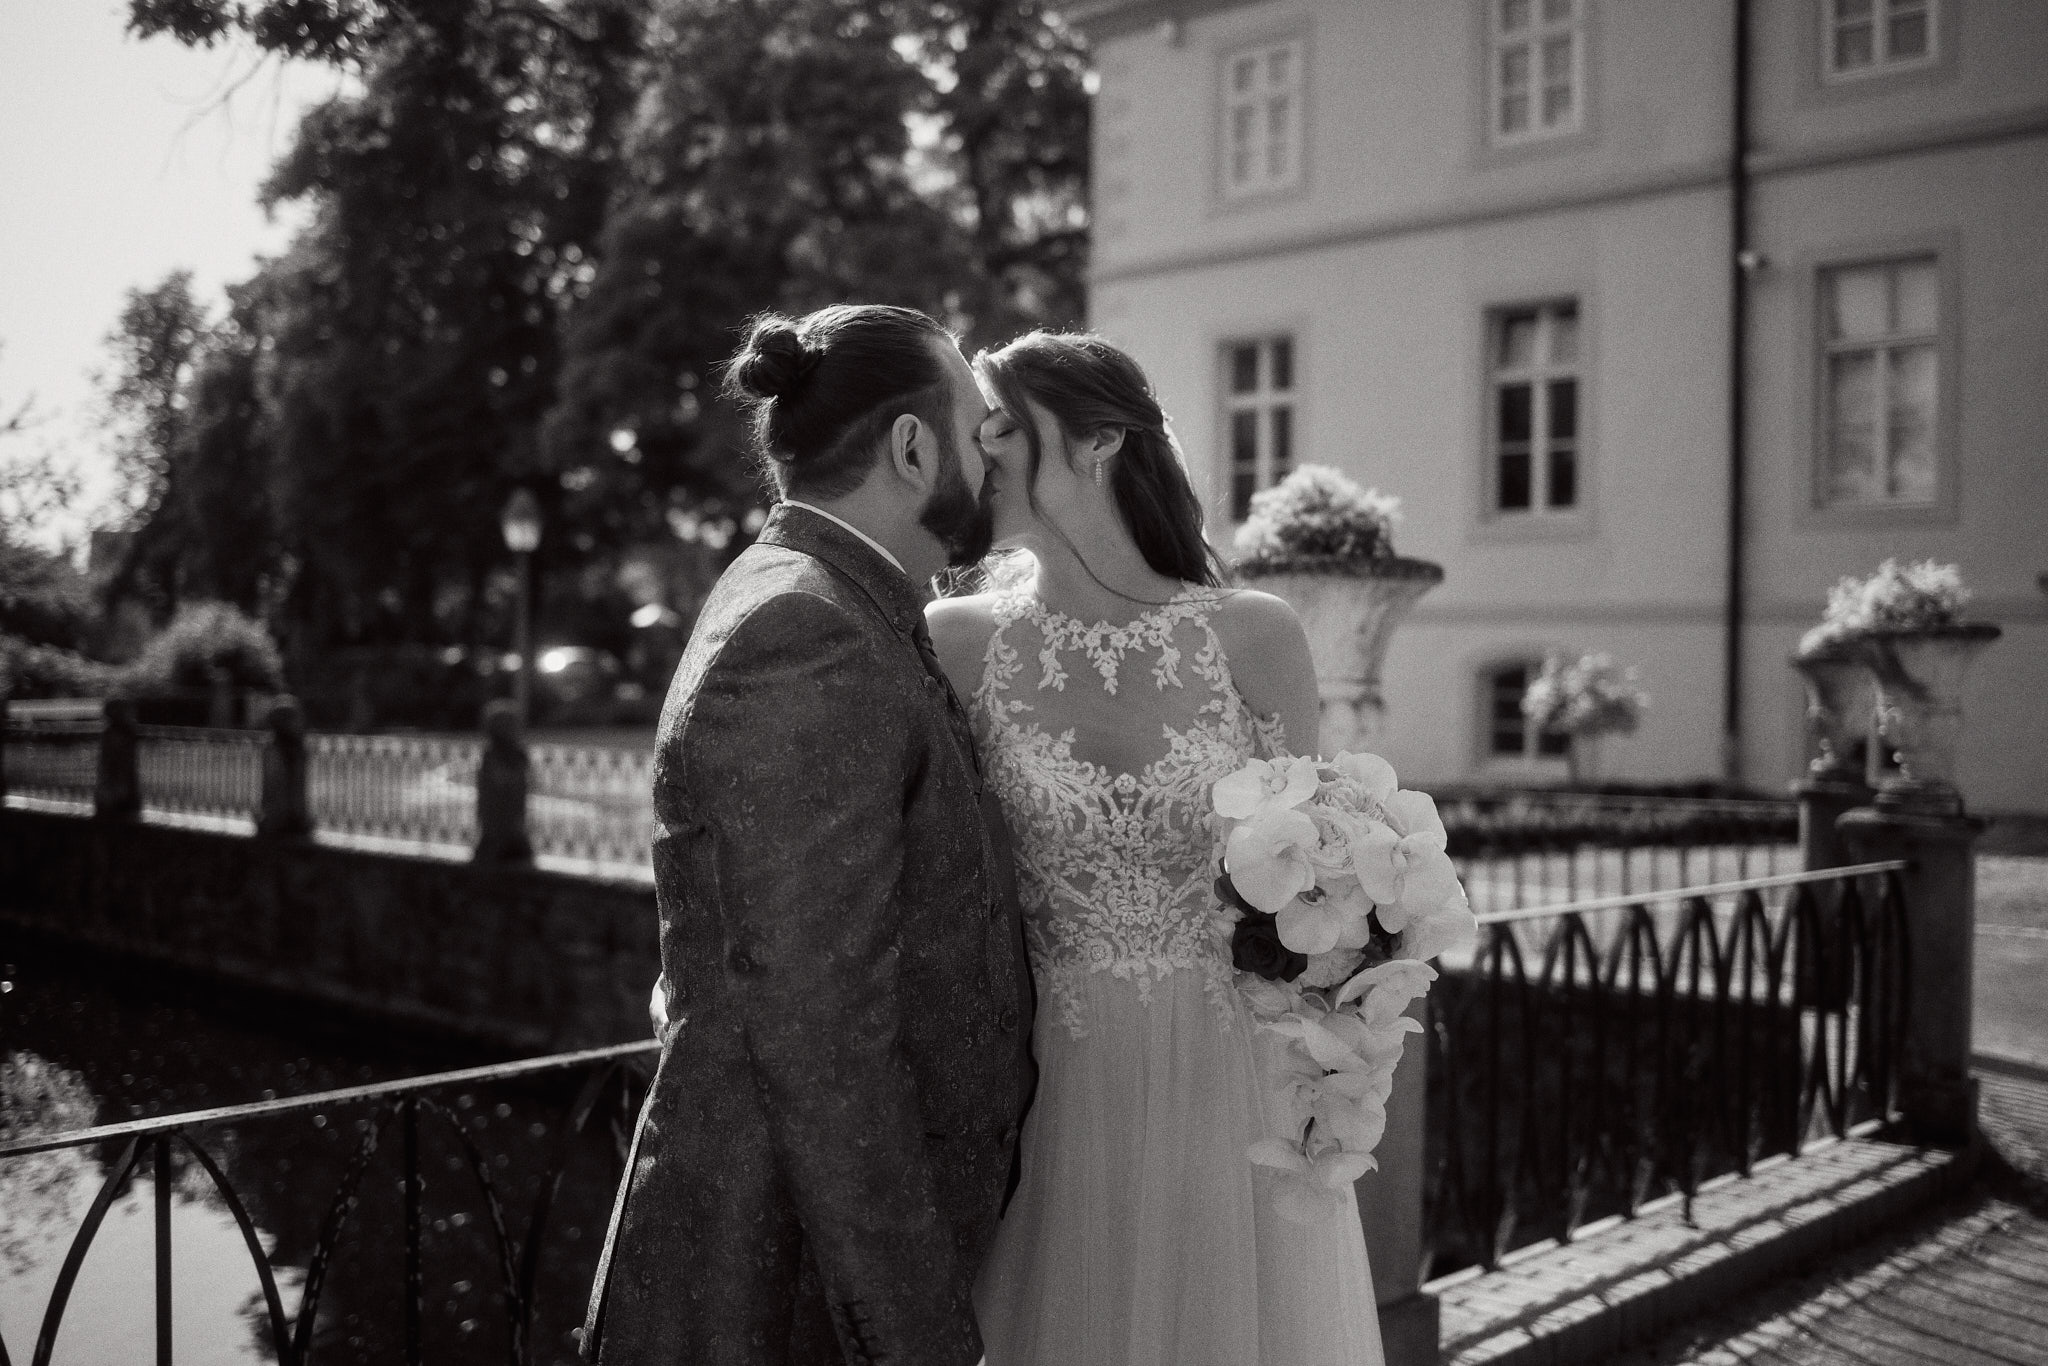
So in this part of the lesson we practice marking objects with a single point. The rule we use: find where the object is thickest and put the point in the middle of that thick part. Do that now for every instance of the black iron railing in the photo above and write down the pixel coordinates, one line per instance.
(1587, 1058)
(419, 1108)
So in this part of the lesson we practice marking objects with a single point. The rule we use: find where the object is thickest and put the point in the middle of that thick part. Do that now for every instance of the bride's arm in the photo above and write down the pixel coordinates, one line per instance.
(1270, 662)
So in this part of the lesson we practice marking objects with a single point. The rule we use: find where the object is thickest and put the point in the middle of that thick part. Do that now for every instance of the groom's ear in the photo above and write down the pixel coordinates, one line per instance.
(913, 455)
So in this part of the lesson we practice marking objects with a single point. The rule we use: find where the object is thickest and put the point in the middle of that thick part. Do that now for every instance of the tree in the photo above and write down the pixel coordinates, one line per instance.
(160, 332)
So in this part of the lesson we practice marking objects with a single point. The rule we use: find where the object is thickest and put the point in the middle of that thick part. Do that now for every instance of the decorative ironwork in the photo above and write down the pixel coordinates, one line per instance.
(213, 775)
(591, 804)
(1590, 1057)
(611, 1092)
(409, 789)
(53, 761)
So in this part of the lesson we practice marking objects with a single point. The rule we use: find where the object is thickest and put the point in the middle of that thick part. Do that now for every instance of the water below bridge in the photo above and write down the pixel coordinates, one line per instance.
(84, 1040)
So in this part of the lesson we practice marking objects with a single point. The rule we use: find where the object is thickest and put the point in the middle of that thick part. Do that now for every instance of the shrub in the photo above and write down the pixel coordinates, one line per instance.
(205, 637)
(31, 670)
(1317, 518)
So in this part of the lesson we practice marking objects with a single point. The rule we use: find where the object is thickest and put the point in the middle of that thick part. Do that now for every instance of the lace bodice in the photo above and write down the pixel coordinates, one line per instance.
(1102, 742)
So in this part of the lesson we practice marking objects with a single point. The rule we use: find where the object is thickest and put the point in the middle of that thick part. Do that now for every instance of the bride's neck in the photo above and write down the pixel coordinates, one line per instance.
(1113, 583)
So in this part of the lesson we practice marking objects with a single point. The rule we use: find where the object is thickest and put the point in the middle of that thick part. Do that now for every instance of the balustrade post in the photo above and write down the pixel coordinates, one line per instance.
(501, 788)
(1823, 801)
(1937, 1094)
(285, 813)
(1390, 1206)
(117, 790)
(5, 732)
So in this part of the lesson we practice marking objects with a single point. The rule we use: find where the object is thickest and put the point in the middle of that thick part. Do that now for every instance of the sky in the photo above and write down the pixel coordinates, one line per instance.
(121, 161)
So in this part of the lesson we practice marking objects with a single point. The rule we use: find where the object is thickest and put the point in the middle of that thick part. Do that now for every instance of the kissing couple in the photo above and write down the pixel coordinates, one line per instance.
(952, 1068)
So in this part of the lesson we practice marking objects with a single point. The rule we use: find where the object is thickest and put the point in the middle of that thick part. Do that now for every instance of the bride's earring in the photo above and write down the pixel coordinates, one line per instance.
(1100, 466)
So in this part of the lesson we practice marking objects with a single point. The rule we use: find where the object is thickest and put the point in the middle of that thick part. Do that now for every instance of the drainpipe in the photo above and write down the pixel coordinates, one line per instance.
(1741, 260)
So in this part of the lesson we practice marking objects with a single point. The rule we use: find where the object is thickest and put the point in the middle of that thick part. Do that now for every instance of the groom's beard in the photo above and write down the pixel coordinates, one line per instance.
(964, 524)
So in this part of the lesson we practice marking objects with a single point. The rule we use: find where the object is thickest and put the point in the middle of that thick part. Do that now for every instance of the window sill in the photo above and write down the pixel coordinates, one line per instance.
(1857, 516)
(1509, 527)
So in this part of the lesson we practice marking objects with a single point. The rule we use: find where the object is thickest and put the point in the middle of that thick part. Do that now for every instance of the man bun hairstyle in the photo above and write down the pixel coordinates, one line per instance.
(823, 390)
(1087, 384)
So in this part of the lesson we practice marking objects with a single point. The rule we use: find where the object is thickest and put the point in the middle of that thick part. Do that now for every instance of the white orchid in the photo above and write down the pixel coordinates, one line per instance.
(1264, 784)
(1326, 917)
(1267, 857)
(1309, 1190)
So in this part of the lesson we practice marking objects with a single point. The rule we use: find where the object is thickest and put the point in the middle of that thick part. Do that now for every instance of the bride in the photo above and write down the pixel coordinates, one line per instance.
(1110, 686)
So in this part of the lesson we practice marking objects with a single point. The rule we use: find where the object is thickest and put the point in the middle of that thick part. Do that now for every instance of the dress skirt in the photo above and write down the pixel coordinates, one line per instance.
(1141, 1235)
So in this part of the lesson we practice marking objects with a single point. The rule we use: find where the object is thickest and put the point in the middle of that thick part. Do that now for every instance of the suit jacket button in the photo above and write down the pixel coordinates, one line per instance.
(741, 963)
(1008, 1021)
(1009, 1135)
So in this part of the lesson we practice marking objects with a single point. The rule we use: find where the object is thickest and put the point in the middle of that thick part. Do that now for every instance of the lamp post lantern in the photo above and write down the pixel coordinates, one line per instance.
(520, 522)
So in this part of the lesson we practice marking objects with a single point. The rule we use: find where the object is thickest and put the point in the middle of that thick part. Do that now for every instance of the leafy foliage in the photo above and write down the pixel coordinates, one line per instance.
(1914, 597)
(1590, 695)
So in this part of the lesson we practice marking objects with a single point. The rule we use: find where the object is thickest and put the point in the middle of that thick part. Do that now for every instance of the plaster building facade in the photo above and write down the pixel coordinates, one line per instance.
(1654, 343)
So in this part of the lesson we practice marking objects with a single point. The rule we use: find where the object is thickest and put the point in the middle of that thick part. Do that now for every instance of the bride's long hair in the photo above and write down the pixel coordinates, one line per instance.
(1088, 384)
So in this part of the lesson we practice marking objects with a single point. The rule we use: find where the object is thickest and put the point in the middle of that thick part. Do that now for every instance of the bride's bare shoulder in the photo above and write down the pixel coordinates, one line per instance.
(960, 630)
(1248, 621)
(1269, 660)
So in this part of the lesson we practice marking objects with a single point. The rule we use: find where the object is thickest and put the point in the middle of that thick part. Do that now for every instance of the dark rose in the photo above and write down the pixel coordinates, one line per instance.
(1255, 947)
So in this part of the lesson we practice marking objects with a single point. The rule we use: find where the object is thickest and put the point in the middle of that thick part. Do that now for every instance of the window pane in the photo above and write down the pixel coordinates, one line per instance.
(1912, 394)
(1557, 60)
(1244, 462)
(1514, 113)
(1564, 336)
(1514, 67)
(1908, 37)
(1564, 409)
(1513, 420)
(1508, 731)
(1919, 297)
(1853, 46)
(1514, 14)
(1283, 363)
(1557, 11)
(1564, 477)
(1557, 105)
(1553, 744)
(1852, 9)
(1241, 144)
(1853, 472)
(1242, 72)
(1244, 368)
(1857, 304)
(1517, 340)
(1514, 481)
(1277, 65)
(1276, 137)
(1283, 443)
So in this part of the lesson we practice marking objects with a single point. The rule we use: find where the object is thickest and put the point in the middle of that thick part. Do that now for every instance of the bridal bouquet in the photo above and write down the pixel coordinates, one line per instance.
(1334, 892)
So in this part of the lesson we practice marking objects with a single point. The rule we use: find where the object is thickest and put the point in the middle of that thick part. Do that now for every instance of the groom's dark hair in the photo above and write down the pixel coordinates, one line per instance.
(824, 389)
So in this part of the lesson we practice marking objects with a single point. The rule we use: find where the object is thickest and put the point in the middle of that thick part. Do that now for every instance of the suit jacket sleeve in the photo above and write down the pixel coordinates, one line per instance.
(801, 772)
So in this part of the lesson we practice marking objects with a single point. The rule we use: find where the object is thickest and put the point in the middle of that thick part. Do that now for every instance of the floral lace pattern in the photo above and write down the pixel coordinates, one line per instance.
(1113, 867)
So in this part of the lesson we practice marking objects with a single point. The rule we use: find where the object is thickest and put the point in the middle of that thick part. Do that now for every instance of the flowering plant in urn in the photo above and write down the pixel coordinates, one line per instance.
(1334, 891)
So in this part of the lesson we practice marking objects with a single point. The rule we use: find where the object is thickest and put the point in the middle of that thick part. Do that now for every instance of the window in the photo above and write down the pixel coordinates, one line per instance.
(1259, 395)
(1262, 125)
(1869, 37)
(1510, 734)
(1880, 383)
(1537, 57)
(1534, 408)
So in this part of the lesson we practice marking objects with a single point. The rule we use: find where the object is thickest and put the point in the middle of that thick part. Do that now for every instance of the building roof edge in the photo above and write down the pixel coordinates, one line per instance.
(1101, 19)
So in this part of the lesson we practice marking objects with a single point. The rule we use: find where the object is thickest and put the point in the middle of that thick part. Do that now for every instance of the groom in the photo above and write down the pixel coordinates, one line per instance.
(829, 1138)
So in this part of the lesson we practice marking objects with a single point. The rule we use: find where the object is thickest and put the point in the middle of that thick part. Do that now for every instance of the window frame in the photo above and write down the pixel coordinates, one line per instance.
(1537, 518)
(1535, 135)
(1224, 194)
(1880, 66)
(1817, 85)
(1531, 762)
(1815, 509)
(1263, 400)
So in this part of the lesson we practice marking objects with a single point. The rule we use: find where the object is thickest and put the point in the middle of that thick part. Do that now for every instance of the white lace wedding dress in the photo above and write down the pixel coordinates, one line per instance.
(1141, 1235)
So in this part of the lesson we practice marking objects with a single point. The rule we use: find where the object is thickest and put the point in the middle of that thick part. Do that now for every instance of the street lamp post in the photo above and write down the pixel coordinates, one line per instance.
(521, 524)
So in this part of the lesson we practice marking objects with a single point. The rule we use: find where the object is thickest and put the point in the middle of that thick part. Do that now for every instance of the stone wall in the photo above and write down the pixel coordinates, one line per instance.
(509, 957)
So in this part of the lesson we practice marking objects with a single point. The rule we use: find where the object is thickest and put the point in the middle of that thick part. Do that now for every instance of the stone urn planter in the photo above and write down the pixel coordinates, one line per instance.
(1841, 713)
(1349, 608)
(1919, 674)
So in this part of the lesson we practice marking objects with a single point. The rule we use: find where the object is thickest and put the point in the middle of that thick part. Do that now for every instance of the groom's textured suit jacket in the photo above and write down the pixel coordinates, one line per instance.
(828, 1141)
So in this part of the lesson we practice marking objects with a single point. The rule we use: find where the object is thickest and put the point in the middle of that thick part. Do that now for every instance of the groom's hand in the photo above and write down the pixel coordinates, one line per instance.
(657, 1009)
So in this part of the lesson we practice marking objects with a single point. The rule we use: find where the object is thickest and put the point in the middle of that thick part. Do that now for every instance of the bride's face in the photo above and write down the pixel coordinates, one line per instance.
(1058, 490)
